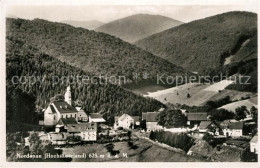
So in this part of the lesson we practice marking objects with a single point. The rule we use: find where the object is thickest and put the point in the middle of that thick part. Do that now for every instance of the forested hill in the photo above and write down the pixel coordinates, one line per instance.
(93, 52)
(203, 45)
(24, 60)
(136, 27)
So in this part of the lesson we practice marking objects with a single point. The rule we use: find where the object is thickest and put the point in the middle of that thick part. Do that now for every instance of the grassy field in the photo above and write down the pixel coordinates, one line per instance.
(200, 94)
(248, 103)
(146, 152)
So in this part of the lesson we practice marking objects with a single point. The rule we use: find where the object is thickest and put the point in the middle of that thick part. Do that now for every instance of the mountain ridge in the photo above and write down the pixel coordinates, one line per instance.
(202, 45)
(90, 51)
(138, 26)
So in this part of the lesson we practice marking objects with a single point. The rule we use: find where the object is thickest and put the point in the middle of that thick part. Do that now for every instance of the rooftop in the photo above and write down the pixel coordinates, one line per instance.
(197, 116)
(84, 127)
(66, 121)
(204, 124)
(136, 118)
(150, 116)
(95, 115)
(64, 107)
(236, 125)
(254, 139)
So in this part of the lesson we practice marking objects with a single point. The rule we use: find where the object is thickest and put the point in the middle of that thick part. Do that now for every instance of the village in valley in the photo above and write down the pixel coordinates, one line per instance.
(66, 125)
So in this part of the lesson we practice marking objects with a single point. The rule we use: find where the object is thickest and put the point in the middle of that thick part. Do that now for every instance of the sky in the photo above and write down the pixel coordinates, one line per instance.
(107, 13)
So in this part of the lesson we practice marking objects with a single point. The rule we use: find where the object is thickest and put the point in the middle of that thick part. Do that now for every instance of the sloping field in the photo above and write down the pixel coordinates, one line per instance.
(199, 94)
(179, 94)
(248, 103)
(233, 94)
(219, 85)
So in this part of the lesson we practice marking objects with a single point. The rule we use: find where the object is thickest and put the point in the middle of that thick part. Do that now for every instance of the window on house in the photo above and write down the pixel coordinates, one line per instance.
(75, 115)
(61, 116)
(54, 117)
(66, 116)
(71, 116)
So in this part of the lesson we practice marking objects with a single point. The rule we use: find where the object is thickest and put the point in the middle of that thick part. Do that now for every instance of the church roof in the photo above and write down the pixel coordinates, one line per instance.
(64, 107)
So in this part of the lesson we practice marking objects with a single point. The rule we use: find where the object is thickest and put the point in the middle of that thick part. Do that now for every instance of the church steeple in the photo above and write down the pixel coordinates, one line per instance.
(68, 96)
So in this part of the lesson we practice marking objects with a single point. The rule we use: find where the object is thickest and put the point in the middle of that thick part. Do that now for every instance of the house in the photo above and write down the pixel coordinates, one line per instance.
(96, 118)
(184, 112)
(151, 121)
(57, 138)
(233, 129)
(60, 109)
(254, 144)
(126, 121)
(209, 127)
(63, 123)
(161, 109)
(82, 116)
(194, 119)
(86, 131)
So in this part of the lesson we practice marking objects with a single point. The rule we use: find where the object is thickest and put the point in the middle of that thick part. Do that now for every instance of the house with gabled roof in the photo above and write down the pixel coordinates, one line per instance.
(233, 129)
(63, 123)
(254, 144)
(194, 119)
(82, 115)
(87, 131)
(126, 121)
(209, 127)
(151, 121)
(96, 118)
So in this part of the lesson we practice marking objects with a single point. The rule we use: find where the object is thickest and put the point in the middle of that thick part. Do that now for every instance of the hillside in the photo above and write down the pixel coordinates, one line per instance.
(136, 27)
(93, 52)
(24, 60)
(248, 103)
(204, 45)
(90, 25)
(199, 94)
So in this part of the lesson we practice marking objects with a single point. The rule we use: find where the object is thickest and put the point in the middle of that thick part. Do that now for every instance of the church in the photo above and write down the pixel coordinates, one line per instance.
(60, 109)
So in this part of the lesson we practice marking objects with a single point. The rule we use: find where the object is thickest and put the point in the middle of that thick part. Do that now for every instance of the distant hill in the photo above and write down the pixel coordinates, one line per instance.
(136, 27)
(90, 25)
(206, 44)
(93, 52)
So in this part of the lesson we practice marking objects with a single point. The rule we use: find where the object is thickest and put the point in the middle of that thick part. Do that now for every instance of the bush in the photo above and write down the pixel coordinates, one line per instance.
(177, 140)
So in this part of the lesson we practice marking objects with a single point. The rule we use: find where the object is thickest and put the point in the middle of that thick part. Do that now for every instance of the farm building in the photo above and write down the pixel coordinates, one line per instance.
(233, 129)
(194, 119)
(126, 121)
(96, 118)
(210, 127)
(151, 121)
